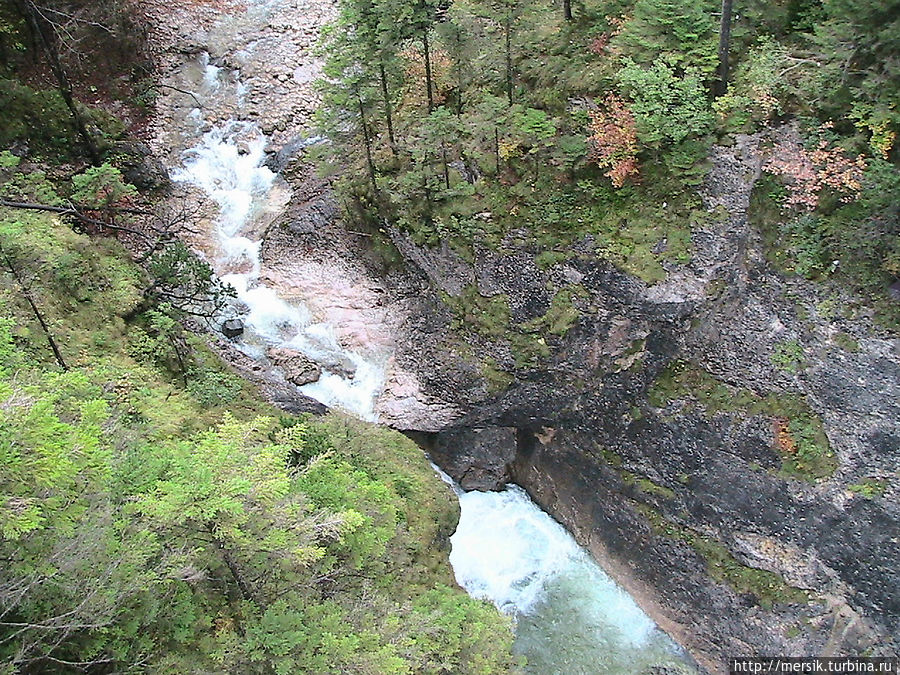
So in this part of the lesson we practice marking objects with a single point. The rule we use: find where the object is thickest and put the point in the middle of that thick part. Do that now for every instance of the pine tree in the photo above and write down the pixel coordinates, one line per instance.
(680, 31)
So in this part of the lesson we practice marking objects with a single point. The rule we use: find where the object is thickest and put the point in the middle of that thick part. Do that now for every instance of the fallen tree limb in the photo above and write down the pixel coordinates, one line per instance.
(180, 91)
(78, 215)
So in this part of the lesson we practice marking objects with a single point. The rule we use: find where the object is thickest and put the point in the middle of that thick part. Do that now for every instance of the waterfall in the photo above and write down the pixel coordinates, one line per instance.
(228, 164)
(570, 616)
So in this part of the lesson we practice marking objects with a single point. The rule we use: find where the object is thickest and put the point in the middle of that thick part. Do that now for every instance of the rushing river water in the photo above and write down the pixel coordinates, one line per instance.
(570, 617)
(228, 165)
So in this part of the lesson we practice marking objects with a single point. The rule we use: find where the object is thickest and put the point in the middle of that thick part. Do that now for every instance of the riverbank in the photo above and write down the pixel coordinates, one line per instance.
(647, 424)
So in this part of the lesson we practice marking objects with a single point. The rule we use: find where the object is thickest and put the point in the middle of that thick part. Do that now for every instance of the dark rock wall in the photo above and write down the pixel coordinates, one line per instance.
(685, 503)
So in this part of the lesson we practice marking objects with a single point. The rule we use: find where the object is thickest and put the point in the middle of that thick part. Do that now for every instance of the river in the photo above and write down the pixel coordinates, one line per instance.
(570, 616)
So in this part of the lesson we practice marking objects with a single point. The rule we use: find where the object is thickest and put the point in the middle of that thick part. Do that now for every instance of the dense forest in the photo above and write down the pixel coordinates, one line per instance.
(468, 121)
(155, 514)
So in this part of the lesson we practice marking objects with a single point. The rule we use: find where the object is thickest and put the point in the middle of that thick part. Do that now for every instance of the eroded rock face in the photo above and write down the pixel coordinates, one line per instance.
(681, 497)
(479, 458)
(404, 405)
(643, 528)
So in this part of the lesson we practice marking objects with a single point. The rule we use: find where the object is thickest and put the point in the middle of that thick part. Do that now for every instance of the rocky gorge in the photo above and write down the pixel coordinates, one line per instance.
(657, 422)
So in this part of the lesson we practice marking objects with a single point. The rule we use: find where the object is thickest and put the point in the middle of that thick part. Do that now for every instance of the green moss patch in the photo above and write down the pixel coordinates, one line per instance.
(798, 432)
(869, 487)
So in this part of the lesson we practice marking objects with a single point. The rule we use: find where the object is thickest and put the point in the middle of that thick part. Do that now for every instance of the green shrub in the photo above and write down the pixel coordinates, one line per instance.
(869, 487)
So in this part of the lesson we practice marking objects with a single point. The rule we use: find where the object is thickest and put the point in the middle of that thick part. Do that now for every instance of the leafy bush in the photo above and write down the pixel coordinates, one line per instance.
(213, 387)
(668, 107)
(101, 186)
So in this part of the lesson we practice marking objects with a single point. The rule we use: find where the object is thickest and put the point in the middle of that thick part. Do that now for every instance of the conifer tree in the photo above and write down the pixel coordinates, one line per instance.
(681, 31)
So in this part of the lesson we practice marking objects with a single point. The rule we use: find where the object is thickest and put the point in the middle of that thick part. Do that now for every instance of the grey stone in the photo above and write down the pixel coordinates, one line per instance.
(478, 459)
(140, 167)
(894, 290)
(232, 328)
(296, 366)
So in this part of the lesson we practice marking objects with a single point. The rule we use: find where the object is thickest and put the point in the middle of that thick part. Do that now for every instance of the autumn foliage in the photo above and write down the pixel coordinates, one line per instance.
(613, 143)
(599, 44)
(811, 171)
(783, 439)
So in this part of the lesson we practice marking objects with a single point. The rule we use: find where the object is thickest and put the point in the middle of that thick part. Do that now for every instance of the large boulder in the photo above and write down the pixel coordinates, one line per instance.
(140, 166)
(297, 367)
(232, 328)
(478, 459)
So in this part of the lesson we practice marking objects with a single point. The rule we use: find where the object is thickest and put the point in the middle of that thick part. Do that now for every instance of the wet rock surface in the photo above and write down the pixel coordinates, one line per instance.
(273, 388)
(232, 328)
(480, 457)
(296, 366)
(269, 46)
(635, 482)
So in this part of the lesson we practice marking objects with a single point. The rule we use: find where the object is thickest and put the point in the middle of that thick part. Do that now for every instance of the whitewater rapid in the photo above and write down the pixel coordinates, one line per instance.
(228, 165)
(570, 617)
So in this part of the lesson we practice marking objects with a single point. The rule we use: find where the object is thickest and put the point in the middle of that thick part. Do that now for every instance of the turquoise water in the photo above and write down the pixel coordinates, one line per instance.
(571, 617)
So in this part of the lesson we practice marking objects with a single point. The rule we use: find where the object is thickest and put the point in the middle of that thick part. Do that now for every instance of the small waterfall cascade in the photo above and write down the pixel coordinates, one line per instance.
(228, 165)
(571, 618)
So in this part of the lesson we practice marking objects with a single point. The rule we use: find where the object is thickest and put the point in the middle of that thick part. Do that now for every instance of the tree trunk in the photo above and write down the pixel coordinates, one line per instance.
(496, 151)
(62, 80)
(26, 293)
(426, 191)
(724, 45)
(509, 82)
(446, 169)
(387, 106)
(428, 69)
(246, 592)
(367, 140)
(567, 9)
(181, 365)
(460, 81)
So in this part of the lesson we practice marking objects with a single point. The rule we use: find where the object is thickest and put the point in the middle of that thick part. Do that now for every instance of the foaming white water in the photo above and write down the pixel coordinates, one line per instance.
(210, 72)
(505, 548)
(571, 617)
(228, 165)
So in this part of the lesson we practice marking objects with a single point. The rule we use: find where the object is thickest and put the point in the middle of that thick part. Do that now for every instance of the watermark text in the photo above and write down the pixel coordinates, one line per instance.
(826, 665)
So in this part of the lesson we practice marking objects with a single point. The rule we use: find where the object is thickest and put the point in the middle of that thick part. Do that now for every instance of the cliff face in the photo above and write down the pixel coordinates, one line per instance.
(726, 442)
